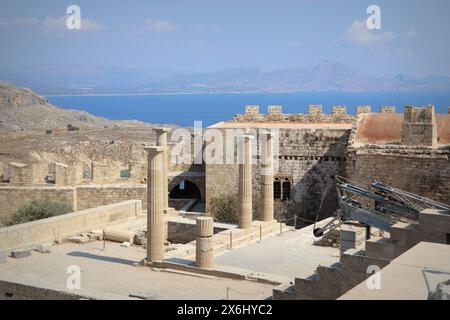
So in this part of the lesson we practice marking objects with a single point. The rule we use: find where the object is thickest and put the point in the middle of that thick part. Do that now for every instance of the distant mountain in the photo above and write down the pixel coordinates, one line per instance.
(326, 76)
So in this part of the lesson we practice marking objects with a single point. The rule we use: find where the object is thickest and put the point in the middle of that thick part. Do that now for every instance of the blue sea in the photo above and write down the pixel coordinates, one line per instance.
(184, 109)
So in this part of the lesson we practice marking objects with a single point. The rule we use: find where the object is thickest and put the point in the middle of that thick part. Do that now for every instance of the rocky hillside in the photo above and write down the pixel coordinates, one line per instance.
(22, 109)
(32, 130)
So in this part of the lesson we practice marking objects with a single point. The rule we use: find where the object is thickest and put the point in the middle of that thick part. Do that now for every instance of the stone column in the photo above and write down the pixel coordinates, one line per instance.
(266, 196)
(161, 140)
(245, 184)
(204, 256)
(155, 206)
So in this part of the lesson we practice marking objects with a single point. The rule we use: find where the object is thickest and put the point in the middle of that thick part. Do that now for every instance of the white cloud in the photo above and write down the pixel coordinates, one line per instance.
(59, 23)
(159, 26)
(26, 22)
(3, 23)
(358, 33)
(295, 44)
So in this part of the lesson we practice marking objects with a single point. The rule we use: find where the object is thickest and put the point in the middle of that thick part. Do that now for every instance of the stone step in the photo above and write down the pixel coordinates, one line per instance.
(285, 291)
(404, 234)
(379, 247)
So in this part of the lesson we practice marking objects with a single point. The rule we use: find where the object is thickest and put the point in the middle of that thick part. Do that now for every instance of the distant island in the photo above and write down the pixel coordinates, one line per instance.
(326, 76)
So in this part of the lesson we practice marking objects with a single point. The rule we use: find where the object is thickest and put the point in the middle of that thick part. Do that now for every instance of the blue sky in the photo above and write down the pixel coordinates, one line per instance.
(199, 35)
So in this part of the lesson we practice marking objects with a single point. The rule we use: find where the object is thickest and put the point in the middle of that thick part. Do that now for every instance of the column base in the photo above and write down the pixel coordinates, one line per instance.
(170, 211)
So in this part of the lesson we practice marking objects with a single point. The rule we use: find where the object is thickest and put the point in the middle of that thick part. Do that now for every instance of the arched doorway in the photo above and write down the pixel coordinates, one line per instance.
(185, 190)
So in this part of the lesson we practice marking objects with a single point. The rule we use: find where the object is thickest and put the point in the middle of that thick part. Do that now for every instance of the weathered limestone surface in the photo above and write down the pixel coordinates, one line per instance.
(105, 173)
(308, 158)
(245, 209)
(204, 255)
(387, 109)
(118, 235)
(423, 172)
(56, 229)
(161, 139)
(363, 109)
(267, 207)
(419, 126)
(28, 174)
(91, 196)
(12, 198)
(155, 207)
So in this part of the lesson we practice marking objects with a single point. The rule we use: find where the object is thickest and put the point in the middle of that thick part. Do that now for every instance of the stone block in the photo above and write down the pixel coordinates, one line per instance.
(363, 109)
(252, 110)
(3, 256)
(275, 110)
(388, 109)
(141, 241)
(95, 236)
(378, 247)
(44, 247)
(119, 235)
(355, 260)
(18, 254)
(403, 233)
(79, 239)
(431, 220)
(352, 233)
(346, 245)
(125, 244)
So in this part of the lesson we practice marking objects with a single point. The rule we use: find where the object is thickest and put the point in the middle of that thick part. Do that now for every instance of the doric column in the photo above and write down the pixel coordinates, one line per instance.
(204, 255)
(161, 140)
(155, 206)
(266, 205)
(245, 184)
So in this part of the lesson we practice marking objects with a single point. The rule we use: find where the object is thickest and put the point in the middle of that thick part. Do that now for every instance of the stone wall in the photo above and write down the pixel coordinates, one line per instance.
(308, 158)
(12, 198)
(91, 196)
(105, 173)
(315, 115)
(58, 228)
(28, 174)
(419, 126)
(424, 172)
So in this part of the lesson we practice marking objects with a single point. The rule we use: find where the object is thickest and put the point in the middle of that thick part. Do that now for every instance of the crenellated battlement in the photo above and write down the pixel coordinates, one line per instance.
(419, 126)
(315, 114)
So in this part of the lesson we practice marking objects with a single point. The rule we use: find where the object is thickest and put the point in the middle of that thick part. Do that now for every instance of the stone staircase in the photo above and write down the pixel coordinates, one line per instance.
(329, 282)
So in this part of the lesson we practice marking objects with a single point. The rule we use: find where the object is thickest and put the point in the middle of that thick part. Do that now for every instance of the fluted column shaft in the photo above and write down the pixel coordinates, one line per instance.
(161, 140)
(266, 205)
(245, 185)
(155, 205)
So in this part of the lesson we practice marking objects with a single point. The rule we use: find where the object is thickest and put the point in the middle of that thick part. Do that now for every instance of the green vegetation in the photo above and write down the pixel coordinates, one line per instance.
(36, 210)
(72, 128)
(225, 209)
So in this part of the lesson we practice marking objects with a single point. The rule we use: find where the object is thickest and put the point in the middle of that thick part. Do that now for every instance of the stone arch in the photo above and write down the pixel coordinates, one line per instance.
(183, 188)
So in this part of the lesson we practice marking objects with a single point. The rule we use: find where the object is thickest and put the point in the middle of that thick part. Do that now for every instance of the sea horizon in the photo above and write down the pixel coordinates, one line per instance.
(185, 108)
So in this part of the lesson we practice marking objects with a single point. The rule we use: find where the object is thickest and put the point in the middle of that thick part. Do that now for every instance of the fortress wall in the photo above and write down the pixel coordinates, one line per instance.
(387, 128)
(427, 176)
(28, 174)
(12, 198)
(138, 172)
(308, 158)
(91, 196)
(103, 173)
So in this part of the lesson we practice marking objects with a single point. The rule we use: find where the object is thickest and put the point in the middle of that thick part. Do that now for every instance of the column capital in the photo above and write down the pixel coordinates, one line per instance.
(163, 130)
(155, 149)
